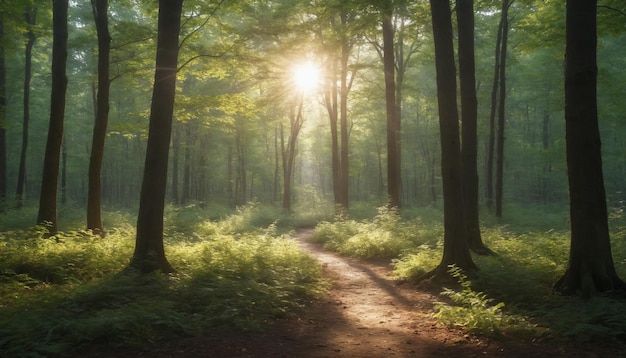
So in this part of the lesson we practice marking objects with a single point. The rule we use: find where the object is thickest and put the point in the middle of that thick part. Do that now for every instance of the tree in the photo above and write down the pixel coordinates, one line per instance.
(455, 246)
(469, 115)
(393, 131)
(495, 146)
(288, 153)
(49, 181)
(30, 15)
(94, 206)
(3, 104)
(149, 252)
(506, 4)
(590, 268)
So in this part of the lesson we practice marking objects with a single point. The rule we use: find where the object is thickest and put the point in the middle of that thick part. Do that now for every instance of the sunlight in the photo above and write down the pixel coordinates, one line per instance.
(306, 76)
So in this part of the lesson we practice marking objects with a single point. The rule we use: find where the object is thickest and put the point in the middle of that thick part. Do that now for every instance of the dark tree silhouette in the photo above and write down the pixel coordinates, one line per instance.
(3, 104)
(149, 252)
(590, 266)
(30, 16)
(94, 205)
(455, 247)
(469, 115)
(393, 133)
(52, 158)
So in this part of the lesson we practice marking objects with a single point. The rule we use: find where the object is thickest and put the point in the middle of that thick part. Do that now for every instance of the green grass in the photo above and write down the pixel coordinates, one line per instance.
(62, 293)
(512, 293)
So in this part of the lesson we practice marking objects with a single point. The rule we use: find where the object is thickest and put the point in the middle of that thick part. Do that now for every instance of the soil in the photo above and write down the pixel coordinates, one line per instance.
(364, 314)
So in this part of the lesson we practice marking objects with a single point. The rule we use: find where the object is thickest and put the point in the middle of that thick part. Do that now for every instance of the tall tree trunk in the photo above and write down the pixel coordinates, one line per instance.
(501, 109)
(343, 117)
(31, 17)
(276, 163)
(455, 247)
(469, 116)
(590, 267)
(491, 144)
(94, 198)
(50, 176)
(331, 99)
(3, 105)
(175, 163)
(393, 157)
(289, 153)
(186, 195)
(149, 252)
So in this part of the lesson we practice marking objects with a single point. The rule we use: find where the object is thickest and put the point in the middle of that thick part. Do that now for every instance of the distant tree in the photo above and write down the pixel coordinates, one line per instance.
(30, 15)
(94, 198)
(393, 130)
(495, 145)
(288, 152)
(469, 116)
(3, 104)
(590, 268)
(506, 4)
(455, 247)
(149, 252)
(50, 177)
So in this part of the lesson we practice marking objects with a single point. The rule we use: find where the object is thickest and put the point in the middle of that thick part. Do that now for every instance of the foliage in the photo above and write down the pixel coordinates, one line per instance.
(475, 312)
(385, 236)
(70, 290)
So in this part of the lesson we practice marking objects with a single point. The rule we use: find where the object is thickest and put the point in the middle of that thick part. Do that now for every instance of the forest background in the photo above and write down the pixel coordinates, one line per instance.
(237, 104)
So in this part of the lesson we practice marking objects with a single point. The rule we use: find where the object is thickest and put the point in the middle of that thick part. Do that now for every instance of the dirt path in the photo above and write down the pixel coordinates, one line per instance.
(365, 314)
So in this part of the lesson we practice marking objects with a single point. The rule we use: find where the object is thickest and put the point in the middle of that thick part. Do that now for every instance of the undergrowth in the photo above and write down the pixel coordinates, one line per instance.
(512, 291)
(387, 235)
(71, 290)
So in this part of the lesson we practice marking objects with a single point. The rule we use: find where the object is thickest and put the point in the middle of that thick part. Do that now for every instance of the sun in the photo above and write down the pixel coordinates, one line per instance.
(306, 76)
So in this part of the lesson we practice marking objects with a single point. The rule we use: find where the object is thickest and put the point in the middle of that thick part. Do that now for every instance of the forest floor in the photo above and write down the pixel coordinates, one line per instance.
(364, 314)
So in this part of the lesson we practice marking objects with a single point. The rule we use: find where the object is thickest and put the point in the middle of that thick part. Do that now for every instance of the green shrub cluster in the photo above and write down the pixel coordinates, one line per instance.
(71, 290)
(474, 312)
(532, 253)
(385, 236)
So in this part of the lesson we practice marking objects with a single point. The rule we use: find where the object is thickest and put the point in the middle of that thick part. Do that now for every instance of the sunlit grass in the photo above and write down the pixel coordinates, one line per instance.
(512, 292)
(70, 290)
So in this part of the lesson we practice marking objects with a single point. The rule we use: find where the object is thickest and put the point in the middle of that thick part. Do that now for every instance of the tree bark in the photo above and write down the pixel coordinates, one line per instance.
(590, 268)
(289, 153)
(455, 247)
(393, 158)
(344, 168)
(469, 117)
(94, 198)
(501, 109)
(30, 17)
(3, 104)
(491, 144)
(50, 176)
(149, 252)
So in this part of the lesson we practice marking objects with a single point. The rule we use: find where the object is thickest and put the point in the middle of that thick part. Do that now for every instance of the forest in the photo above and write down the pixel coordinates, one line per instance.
(173, 169)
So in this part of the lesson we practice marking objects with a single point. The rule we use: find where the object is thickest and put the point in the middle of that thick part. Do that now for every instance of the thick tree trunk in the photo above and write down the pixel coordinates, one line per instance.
(94, 198)
(469, 117)
(30, 16)
(590, 268)
(50, 176)
(393, 158)
(149, 252)
(456, 249)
